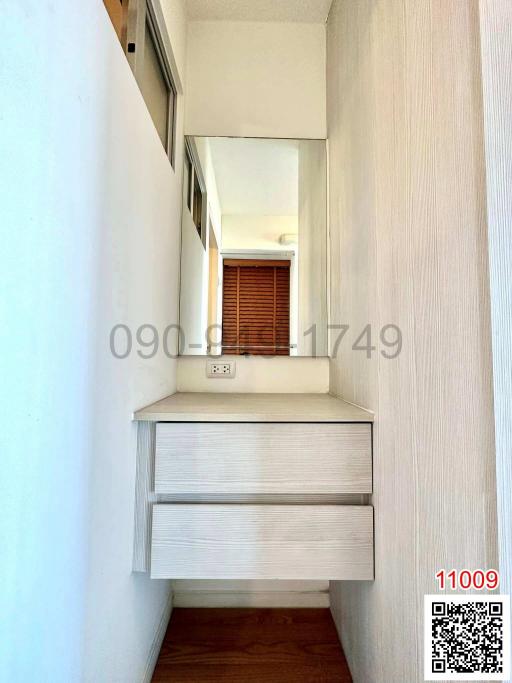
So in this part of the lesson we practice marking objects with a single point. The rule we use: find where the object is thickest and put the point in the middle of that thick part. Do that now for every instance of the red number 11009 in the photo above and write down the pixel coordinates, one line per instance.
(466, 579)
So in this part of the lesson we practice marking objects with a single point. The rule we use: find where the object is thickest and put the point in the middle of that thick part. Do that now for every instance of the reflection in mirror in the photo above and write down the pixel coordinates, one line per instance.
(254, 247)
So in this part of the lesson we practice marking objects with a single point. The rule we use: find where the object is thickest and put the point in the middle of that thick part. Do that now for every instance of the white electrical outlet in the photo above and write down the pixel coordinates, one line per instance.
(221, 369)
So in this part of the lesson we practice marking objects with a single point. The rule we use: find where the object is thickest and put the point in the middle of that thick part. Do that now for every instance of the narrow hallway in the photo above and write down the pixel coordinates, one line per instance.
(251, 645)
(256, 417)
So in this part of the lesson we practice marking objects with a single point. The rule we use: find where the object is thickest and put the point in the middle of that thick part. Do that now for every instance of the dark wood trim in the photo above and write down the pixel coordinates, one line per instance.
(238, 305)
(118, 12)
(256, 263)
(274, 322)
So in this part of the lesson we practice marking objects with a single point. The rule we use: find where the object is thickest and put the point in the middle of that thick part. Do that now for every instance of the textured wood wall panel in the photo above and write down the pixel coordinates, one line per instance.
(409, 247)
(496, 46)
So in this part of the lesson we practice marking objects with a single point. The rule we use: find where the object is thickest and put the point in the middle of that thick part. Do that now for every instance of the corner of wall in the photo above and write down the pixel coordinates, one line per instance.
(158, 639)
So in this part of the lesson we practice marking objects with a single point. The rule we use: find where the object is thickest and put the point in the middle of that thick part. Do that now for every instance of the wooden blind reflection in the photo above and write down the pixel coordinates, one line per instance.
(256, 307)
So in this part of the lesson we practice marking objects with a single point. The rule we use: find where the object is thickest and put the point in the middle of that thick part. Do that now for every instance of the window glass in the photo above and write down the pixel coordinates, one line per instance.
(155, 90)
(189, 172)
(197, 212)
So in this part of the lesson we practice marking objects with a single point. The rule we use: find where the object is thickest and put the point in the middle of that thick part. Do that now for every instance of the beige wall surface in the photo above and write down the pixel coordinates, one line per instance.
(257, 374)
(257, 231)
(409, 247)
(252, 79)
(496, 45)
(312, 248)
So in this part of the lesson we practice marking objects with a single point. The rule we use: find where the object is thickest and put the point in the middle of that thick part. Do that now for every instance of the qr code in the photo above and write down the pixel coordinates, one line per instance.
(467, 637)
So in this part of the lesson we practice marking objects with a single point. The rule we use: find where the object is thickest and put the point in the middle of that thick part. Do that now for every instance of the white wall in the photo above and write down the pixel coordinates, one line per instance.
(174, 12)
(256, 79)
(409, 247)
(193, 288)
(258, 374)
(90, 220)
(496, 46)
(256, 232)
(312, 270)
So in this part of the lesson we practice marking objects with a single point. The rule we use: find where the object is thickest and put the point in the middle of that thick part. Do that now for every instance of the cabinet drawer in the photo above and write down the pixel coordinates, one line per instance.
(241, 458)
(262, 542)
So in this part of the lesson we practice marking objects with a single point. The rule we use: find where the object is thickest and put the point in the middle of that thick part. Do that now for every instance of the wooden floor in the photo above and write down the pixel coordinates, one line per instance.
(251, 646)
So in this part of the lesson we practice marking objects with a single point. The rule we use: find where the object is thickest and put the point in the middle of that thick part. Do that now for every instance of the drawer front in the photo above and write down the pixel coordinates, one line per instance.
(202, 458)
(262, 542)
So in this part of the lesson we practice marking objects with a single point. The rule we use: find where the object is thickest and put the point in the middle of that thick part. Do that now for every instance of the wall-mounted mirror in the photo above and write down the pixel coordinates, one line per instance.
(254, 247)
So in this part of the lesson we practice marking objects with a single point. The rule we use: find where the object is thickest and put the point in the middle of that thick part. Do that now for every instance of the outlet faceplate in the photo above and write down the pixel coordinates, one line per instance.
(221, 369)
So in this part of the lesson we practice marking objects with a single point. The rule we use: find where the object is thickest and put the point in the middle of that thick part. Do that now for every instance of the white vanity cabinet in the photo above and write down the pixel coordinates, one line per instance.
(199, 458)
(254, 486)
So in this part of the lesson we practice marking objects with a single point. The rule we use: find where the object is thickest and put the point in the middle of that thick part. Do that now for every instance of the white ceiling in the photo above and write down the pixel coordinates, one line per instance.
(256, 176)
(303, 11)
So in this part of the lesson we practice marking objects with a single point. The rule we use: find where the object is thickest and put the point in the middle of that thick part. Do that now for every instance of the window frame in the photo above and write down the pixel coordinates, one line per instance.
(196, 180)
(148, 13)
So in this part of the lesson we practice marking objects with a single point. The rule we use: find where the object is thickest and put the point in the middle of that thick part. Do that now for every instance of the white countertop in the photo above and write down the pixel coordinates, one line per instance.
(222, 407)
